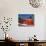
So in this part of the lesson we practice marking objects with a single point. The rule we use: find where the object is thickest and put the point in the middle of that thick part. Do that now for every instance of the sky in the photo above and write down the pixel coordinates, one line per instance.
(26, 16)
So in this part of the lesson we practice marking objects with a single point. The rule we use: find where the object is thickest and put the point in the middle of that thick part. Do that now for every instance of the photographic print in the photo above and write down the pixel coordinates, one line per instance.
(25, 19)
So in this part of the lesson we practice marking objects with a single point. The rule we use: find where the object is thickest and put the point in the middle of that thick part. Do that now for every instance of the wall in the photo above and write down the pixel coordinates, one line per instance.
(11, 8)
